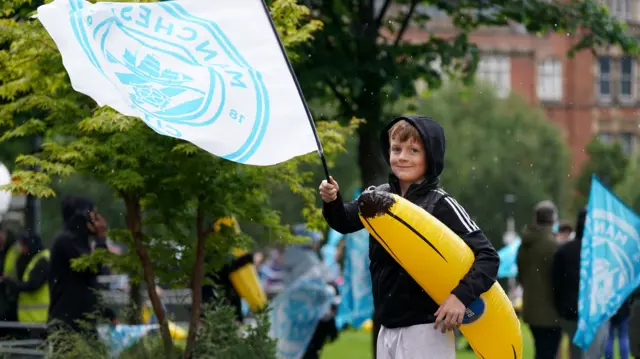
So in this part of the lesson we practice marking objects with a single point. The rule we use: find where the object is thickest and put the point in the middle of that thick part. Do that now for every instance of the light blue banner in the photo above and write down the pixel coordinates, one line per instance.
(357, 300)
(610, 261)
(508, 264)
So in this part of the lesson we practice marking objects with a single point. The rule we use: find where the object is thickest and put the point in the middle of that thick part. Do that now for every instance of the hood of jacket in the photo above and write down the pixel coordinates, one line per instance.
(33, 242)
(534, 233)
(75, 213)
(433, 138)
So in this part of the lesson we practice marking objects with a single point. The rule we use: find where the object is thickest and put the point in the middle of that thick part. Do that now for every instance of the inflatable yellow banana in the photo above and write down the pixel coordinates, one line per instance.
(244, 276)
(437, 259)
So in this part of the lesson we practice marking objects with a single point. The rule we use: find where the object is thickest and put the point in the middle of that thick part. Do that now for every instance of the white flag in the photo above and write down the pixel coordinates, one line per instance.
(209, 72)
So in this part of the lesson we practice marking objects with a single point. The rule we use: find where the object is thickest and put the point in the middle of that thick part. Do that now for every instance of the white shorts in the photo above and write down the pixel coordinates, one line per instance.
(415, 342)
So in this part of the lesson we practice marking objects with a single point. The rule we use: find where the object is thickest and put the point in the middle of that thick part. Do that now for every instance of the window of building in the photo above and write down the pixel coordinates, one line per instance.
(604, 80)
(626, 139)
(619, 8)
(626, 78)
(496, 69)
(550, 80)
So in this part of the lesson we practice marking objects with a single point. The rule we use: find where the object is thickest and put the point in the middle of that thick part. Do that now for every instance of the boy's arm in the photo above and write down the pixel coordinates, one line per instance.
(484, 270)
(343, 217)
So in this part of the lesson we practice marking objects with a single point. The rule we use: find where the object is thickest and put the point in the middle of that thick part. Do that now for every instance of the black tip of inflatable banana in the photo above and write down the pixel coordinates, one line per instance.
(374, 203)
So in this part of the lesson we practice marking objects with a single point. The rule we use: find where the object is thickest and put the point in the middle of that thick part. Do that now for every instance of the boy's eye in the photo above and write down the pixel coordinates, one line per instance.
(415, 150)
(395, 149)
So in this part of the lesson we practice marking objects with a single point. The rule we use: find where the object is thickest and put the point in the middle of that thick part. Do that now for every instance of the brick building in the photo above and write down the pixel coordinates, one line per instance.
(585, 95)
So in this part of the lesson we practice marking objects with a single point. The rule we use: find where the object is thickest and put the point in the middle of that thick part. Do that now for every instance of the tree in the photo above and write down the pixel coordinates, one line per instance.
(627, 188)
(361, 61)
(172, 190)
(497, 147)
(607, 161)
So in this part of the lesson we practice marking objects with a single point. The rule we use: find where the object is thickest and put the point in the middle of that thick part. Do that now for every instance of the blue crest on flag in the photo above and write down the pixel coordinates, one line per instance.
(609, 262)
(295, 313)
(176, 68)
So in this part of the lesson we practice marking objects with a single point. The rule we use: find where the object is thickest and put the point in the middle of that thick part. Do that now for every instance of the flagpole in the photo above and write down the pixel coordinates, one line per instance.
(295, 80)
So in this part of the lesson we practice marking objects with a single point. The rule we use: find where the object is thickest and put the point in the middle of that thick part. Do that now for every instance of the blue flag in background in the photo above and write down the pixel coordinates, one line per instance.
(357, 300)
(508, 264)
(609, 262)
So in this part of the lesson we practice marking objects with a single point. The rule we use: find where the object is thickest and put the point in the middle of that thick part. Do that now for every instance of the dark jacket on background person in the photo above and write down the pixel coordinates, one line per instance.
(8, 297)
(74, 294)
(565, 273)
(535, 260)
(225, 290)
(399, 300)
(634, 324)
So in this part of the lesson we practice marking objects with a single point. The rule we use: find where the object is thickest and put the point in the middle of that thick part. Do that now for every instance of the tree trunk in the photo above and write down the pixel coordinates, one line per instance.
(134, 223)
(196, 282)
(135, 304)
(373, 166)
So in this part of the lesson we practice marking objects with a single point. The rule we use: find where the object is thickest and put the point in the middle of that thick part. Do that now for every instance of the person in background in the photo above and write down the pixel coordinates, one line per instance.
(534, 260)
(74, 293)
(619, 328)
(565, 232)
(32, 285)
(565, 276)
(298, 259)
(272, 273)
(222, 289)
(634, 324)
(9, 254)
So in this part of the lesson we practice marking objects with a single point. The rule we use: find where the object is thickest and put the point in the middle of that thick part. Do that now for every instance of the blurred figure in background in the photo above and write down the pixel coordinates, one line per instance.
(74, 294)
(565, 232)
(634, 324)
(534, 262)
(619, 329)
(300, 258)
(9, 254)
(272, 273)
(566, 283)
(32, 285)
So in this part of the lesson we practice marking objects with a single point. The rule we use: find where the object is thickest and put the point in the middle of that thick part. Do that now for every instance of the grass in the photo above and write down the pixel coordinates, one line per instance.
(354, 344)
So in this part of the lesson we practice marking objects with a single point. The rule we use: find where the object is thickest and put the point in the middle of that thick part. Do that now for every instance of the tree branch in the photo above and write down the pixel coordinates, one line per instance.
(381, 15)
(343, 99)
(197, 279)
(134, 223)
(405, 22)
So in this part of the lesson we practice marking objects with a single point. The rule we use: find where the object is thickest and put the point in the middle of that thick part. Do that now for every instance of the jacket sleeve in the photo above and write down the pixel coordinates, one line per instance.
(484, 270)
(37, 278)
(342, 217)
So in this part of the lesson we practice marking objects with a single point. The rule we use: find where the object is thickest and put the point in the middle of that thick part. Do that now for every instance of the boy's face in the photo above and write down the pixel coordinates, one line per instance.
(408, 160)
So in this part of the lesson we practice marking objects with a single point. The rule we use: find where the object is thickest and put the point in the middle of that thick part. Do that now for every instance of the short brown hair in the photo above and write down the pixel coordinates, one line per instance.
(403, 130)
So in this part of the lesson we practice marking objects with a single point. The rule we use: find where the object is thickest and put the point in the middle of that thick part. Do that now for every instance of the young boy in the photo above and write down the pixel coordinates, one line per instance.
(409, 319)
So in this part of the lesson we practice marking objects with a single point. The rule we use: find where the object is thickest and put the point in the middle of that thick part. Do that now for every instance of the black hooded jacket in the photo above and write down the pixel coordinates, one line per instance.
(74, 293)
(399, 300)
(565, 273)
